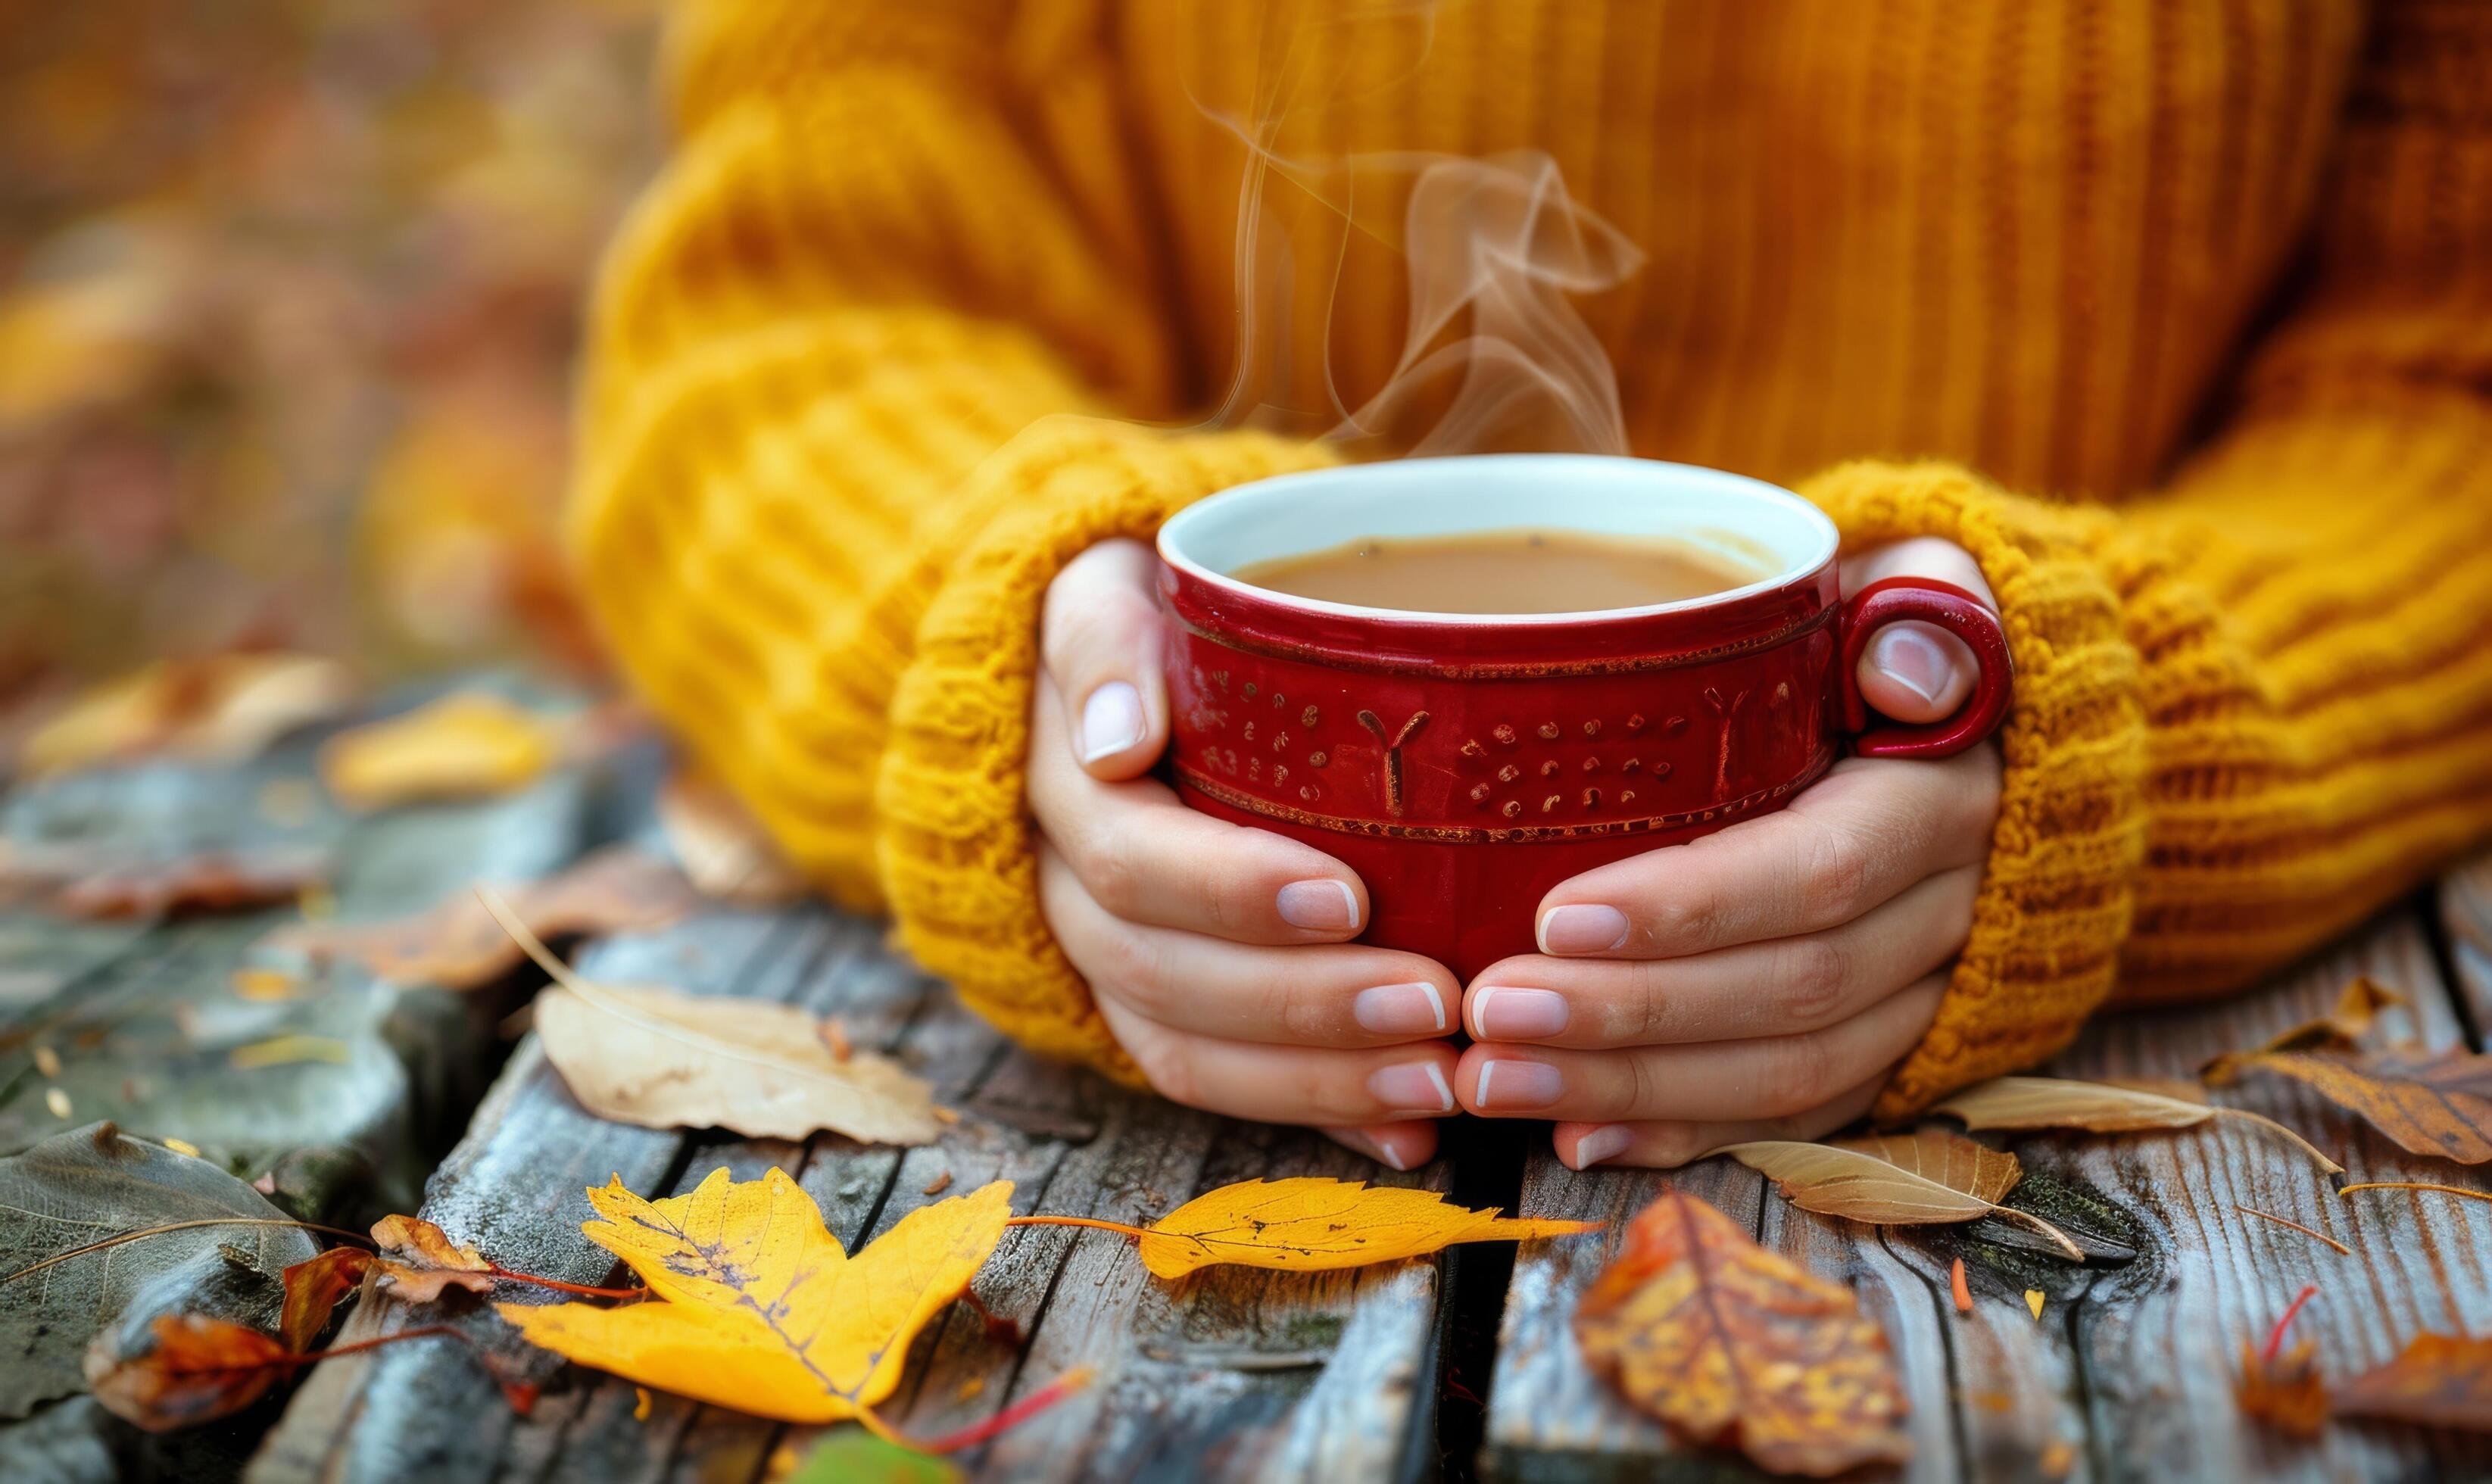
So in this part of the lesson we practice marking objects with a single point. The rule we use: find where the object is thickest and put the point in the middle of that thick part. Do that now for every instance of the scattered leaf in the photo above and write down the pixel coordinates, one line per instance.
(721, 847)
(264, 984)
(1958, 1288)
(104, 884)
(467, 745)
(419, 1261)
(1310, 1224)
(641, 1404)
(56, 1102)
(937, 1185)
(48, 1062)
(851, 1455)
(2034, 1301)
(2437, 1380)
(2281, 1389)
(458, 946)
(1843, 1181)
(2343, 1027)
(1735, 1344)
(1952, 1160)
(222, 708)
(2098, 1108)
(312, 1290)
(756, 1307)
(180, 1145)
(199, 1369)
(287, 1050)
(2437, 1105)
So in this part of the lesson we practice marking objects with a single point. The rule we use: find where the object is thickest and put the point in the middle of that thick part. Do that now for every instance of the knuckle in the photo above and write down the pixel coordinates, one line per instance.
(1796, 1077)
(1692, 917)
(1108, 866)
(1815, 973)
(1669, 1145)
(1835, 873)
(1133, 964)
(1168, 1067)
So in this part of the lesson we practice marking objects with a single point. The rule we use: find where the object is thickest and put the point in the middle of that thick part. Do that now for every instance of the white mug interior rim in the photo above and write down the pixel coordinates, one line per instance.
(1292, 515)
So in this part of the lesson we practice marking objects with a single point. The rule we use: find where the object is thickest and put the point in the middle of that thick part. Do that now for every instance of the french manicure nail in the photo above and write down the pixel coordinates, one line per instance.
(1518, 1084)
(1413, 1086)
(1608, 1141)
(1386, 1154)
(1400, 1010)
(1503, 1014)
(1583, 929)
(1111, 721)
(1325, 906)
(1911, 659)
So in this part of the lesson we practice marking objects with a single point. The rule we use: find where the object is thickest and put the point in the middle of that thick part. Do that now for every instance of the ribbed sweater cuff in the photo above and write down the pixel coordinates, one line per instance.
(2058, 890)
(956, 844)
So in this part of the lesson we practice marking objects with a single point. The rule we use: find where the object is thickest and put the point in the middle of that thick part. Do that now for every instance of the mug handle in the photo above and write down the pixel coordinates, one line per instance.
(1961, 614)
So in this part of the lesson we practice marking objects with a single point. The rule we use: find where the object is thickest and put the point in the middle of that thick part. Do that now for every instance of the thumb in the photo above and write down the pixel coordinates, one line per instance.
(1909, 670)
(1101, 638)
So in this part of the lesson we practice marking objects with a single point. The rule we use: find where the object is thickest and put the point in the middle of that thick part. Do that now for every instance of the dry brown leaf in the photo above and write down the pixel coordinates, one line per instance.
(199, 1369)
(1952, 1160)
(721, 847)
(2343, 1027)
(2437, 1380)
(1310, 1224)
(98, 882)
(1846, 1182)
(2098, 1108)
(754, 1306)
(312, 1290)
(419, 1261)
(2437, 1105)
(1735, 1344)
(2285, 1393)
(467, 745)
(222, 708)
(458, 945)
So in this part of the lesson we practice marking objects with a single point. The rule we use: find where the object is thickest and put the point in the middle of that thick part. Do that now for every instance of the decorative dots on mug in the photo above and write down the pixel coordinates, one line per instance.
(1626, 796)
(1308, 792)
(1307, 718)
(1635, 723)
(1549, 732)
(1508, 774)
(1513, 807)
(1279, 774)
(1503, 733)
(1592, 798)
(1674, 727)
(1472, 749)
(1548, 769)
(1250, 731)
(1631, 765)
(1277, 700)
(1549, 803)
(1280, 741)
(1318, 759)
(1591, 764)
(1479, 794)
(1250, 690)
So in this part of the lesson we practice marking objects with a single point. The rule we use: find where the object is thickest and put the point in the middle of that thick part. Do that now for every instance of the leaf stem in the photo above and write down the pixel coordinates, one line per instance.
(2307, 1148)
(2275, 1336)
(2282, 1221)
(556, 1284)
(2076, 1253)
(117, 1239)
(1079, 1221)
(977, 1433)
(2445, 1189)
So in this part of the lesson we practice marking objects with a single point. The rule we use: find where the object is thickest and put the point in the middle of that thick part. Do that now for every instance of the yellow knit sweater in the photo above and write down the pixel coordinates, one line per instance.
(2208, 284)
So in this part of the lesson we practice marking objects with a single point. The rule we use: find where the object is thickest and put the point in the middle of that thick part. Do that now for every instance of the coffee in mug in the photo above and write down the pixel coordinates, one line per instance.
(1514, 571)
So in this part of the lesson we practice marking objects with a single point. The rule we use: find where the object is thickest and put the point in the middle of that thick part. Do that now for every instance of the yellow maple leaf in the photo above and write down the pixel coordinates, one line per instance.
(467, 745)
(1309, 1224)
(754, 1305)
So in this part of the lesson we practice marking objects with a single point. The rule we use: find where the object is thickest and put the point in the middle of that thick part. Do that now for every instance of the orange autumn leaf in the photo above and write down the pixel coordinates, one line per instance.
(1733, 1344)
(221, 708)
(1310, 1224)
(2285, 1392)
(104, 884)
(2437, 1105)
(458, 946)
(721, 847)
(466, 745)
(2342, 1027)
(313, 1288)
(199, 1369)
(418, 1260)
(2097, 1107)
(2438, 1381)
(754, 1306)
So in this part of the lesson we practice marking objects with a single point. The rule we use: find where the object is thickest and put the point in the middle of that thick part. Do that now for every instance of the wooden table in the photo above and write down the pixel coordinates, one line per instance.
(1453, 1367)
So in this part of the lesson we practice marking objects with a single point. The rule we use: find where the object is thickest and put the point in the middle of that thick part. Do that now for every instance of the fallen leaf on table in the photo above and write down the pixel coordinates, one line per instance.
(2097, 1107)
(199, 1369)
(312, 1290)
(2437, 1380)
(221, 708)
(753, 1304)
(1839, 1181)
(2284, 1392)
(721, 847)
(1311, 1224)
(458, 944)
(288, 1050)
(854, 1456)
(1735, 1344)
(106, 884)
(418, 1260)
(1952, 1160)
(466, 745)
(2341, 1028)
(637, 1054)
(2437, 1105)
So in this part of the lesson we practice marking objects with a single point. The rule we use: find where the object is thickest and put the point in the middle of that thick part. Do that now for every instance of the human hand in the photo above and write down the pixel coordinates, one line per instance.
(1218, 955)
(1762, 982)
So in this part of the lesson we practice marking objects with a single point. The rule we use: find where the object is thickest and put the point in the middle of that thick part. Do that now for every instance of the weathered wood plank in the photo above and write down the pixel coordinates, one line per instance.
(1229, 1375)
(2466, 915)
(2129, 1372)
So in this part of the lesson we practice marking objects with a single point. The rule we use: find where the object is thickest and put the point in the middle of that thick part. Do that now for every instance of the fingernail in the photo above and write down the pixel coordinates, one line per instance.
(1323, 906)
(1413, 1086)
(1381, 1146)
(1608, 1141)
(1111, 721)
(1518, 1084)
(1583, 929)
(1503, 1014)
(1398, 1009)
(1912, 660)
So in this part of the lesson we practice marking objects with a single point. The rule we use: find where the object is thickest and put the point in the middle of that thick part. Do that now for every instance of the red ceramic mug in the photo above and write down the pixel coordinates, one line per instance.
(1463, 764)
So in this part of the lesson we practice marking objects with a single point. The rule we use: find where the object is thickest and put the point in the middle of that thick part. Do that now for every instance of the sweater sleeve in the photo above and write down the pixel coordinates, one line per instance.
(848, 406)
(2257, 704)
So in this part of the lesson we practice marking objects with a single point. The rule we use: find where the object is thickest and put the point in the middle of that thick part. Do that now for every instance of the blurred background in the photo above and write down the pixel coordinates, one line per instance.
(289, 293)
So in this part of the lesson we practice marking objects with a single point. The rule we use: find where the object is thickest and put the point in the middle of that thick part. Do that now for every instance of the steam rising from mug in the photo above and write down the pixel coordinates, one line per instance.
(1495, 249)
